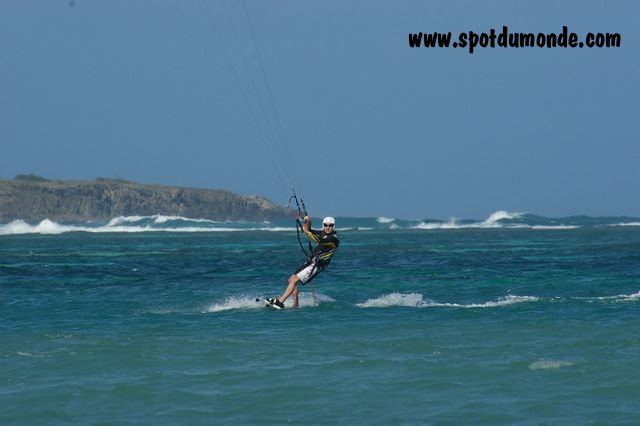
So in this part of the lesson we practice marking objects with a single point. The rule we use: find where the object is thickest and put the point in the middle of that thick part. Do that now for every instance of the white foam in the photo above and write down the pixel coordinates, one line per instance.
(242, 302)
(493, 221)
(383, 219)
(15, 227)
(546, 365)
(412, 300)
(627, 224)
(125, 219)
(619, 297)
(44, 227)
(487, 225)
(306, 299)
(156, 218)
(501, 215)
(26, 354)
(127, 224)
(415, 300)
(553, 227)
(634, 296)
(159, 219)
(440, 225)
(502, 301)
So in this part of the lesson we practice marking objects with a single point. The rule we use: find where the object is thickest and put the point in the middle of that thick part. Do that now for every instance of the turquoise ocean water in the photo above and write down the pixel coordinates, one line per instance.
(516, 319)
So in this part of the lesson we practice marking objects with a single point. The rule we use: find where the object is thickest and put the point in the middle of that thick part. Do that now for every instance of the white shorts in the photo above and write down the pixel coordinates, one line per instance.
(308, 272)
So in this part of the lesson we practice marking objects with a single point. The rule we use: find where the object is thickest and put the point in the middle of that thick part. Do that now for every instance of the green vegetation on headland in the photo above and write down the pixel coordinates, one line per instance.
(34, 198)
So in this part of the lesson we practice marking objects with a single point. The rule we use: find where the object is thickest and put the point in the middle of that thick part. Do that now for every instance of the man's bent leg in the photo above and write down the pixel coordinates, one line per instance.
(291, 287)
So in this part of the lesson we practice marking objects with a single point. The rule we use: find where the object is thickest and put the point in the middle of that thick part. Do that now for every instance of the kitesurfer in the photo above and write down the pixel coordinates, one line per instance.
(319, 259)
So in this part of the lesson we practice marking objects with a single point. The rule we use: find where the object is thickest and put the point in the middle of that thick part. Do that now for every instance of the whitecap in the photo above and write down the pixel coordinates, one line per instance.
(501, 215)
(160, 219)
(451, 224)
(546, 365)
(416, 300)
(383, 219)
(618, 297)
(413, 300)
(503, 301)
(116, 221)
(634, 296)
(15, 227)
(554, 227)
(156, 218)
(493, 221)
(128, 224)
(29, 355)
(44, 227)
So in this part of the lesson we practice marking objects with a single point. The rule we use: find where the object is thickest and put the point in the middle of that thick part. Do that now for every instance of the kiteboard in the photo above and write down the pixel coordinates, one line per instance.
(268, 304)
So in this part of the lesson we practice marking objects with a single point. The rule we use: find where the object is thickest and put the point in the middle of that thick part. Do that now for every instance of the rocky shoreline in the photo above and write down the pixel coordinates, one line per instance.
(33, 198)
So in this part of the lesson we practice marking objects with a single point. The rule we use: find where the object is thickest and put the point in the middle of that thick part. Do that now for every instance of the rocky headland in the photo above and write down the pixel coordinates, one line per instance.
(33, 198)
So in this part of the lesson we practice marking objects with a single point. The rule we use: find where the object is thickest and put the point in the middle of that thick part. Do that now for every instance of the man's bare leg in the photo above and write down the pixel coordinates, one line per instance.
(292, 286)
(295, 296)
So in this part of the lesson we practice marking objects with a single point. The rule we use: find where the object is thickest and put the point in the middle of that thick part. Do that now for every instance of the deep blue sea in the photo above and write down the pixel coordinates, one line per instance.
(516, 319)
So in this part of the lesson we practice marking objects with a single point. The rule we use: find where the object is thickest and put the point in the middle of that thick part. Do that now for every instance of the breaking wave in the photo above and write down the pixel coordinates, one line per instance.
(133, 224)
(500, 219)
(385, 219)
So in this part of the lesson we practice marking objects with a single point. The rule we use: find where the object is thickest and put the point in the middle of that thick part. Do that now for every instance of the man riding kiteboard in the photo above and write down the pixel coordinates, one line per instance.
(319, 259)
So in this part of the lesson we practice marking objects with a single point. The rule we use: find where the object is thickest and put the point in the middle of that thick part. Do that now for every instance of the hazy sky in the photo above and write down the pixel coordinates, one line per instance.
(146, 91)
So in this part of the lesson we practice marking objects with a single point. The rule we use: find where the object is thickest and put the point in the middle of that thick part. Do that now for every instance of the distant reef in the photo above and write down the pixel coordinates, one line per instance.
(34, 198)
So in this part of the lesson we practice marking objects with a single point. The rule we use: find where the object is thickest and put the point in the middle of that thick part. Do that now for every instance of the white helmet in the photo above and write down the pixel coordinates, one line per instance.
(329, 221)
